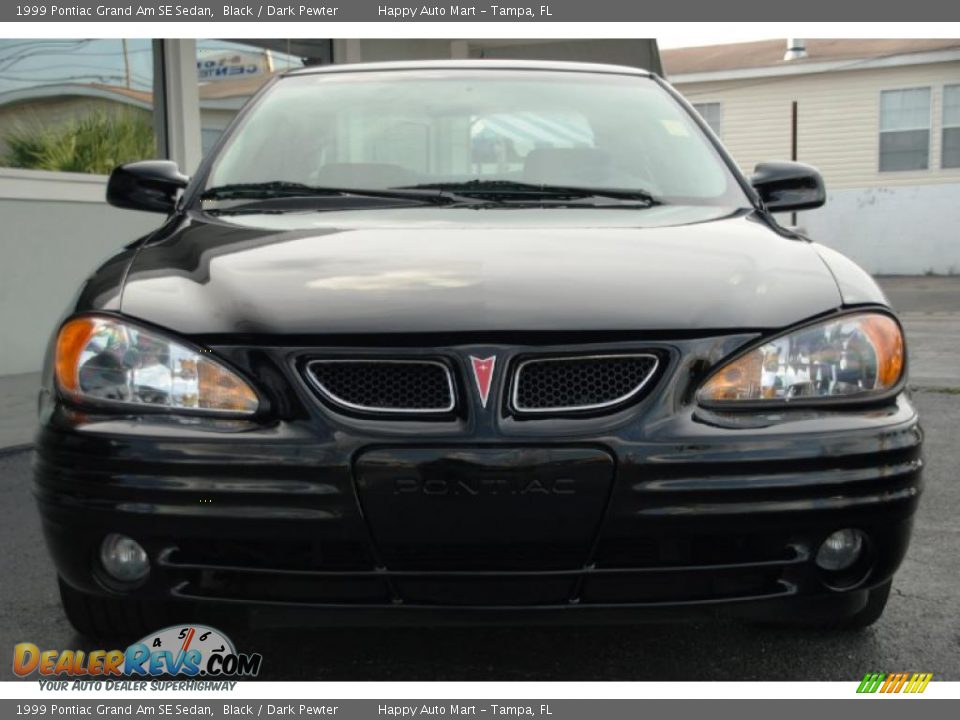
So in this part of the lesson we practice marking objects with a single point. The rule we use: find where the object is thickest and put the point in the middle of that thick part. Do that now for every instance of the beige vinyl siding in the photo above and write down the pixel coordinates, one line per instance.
(839, 121)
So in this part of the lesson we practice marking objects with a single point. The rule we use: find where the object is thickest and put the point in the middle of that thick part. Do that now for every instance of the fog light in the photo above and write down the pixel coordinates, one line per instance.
(123, 558)
(840, 550)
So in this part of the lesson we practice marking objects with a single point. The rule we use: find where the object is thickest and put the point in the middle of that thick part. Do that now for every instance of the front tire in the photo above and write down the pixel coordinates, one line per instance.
(871, 612)
(830, 613)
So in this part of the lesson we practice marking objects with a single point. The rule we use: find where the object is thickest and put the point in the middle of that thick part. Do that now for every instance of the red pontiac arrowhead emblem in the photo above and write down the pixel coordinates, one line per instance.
(483, 374)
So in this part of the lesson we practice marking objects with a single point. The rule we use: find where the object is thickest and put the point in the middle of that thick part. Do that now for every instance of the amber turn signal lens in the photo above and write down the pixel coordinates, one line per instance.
(73, 339)
(886, 337)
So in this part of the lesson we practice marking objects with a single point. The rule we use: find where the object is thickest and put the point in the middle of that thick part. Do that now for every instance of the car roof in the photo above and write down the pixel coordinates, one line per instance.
(548, 65)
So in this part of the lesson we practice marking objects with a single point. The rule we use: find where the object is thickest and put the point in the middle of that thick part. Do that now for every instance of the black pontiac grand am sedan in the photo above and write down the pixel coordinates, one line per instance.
(474, 342)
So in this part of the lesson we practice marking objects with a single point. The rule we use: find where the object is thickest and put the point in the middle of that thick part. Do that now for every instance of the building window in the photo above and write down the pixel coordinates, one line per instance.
(905, 129)
(80, 106)
(712, 114)
(951, 127)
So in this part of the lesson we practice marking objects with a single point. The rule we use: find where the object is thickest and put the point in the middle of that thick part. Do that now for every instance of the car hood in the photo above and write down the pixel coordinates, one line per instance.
(407, 270)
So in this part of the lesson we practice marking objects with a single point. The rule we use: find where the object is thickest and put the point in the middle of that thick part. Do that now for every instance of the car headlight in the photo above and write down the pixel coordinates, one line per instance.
(853, 356)
(104, 360)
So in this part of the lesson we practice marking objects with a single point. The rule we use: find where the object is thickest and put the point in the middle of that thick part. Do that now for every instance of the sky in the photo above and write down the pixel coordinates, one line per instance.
(24, 63)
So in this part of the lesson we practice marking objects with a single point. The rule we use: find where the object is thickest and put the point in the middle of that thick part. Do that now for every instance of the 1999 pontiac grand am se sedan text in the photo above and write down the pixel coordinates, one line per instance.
(474, 342)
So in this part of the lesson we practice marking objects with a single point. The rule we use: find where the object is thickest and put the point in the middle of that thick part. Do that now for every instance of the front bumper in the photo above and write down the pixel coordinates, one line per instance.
(699, 514)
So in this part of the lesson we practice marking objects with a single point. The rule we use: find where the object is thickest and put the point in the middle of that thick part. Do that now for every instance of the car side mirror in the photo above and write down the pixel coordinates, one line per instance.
(150, 185)
(788, 186)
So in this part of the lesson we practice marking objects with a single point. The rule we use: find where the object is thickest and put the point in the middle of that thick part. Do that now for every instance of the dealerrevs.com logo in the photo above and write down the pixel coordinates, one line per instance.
(185, 650)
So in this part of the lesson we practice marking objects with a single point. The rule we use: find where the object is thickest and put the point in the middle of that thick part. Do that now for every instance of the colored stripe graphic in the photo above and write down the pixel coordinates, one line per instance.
(894, 683)
(919, 682)
(871, 682)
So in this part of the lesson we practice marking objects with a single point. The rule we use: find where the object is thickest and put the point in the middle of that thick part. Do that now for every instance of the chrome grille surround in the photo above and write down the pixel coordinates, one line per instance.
(650, 364)
(443, 385)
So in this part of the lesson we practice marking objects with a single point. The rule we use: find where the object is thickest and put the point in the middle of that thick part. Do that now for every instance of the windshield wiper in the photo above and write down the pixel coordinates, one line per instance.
(284, 189)
(473, 192)
(512, 190)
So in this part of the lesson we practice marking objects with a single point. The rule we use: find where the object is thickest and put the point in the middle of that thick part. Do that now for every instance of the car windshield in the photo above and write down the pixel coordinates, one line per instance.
(503, 133)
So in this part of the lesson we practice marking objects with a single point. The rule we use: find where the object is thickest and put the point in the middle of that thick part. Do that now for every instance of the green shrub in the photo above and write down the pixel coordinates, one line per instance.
(95, 143)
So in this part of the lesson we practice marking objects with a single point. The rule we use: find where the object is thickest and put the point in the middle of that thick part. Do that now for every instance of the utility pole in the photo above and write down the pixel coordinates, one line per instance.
(793, 147)
(126, 63)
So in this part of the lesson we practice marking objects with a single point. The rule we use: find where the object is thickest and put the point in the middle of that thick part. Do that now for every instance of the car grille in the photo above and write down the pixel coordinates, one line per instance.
(580, 383)
(384, 386)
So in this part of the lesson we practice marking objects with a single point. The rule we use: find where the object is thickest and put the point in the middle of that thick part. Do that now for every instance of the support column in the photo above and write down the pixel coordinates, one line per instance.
(182, 106)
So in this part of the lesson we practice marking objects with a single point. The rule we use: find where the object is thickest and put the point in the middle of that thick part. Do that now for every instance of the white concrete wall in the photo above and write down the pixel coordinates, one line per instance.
(47, 249)
(906, 230)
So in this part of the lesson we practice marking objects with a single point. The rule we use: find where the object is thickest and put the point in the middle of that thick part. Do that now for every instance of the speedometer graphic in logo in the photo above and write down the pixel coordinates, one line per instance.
(184, 650)
(184, 638)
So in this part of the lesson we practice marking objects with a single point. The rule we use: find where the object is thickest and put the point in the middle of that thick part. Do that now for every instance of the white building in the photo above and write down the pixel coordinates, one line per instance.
(879, 118)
